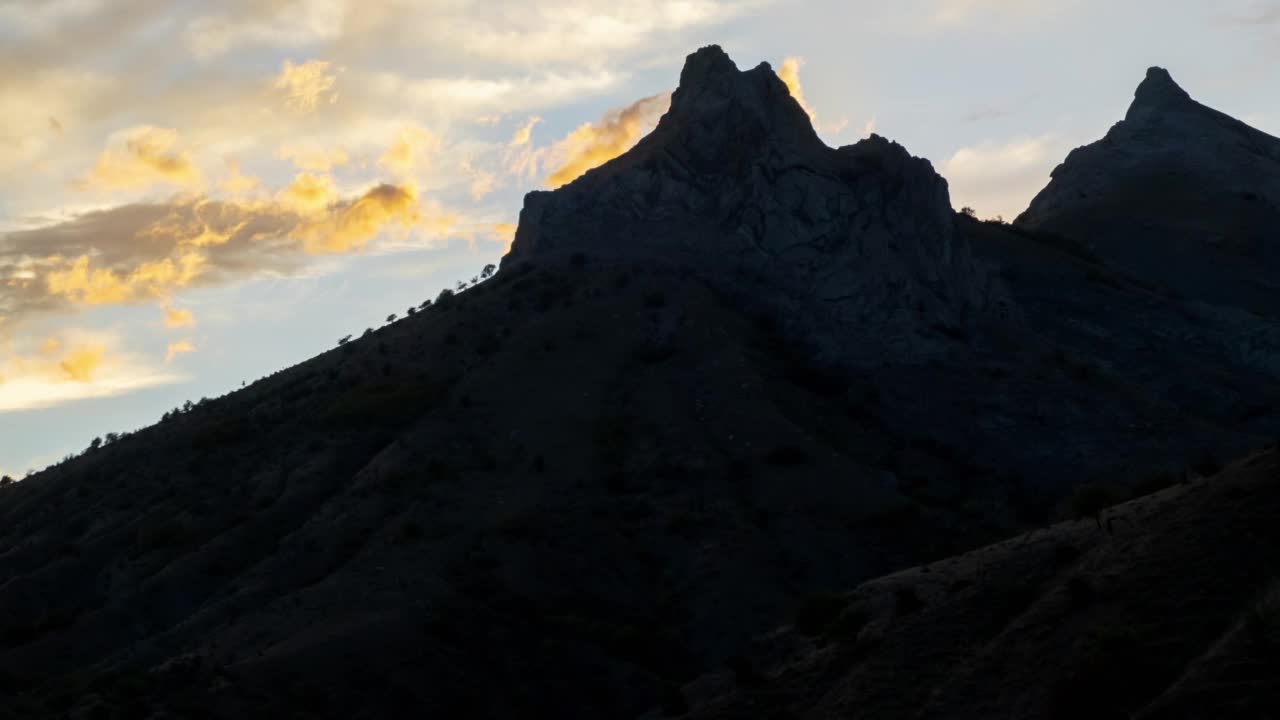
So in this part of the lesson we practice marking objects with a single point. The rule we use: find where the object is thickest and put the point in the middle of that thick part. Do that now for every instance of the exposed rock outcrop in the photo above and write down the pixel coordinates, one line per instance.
(1177, 194)
(735, 183)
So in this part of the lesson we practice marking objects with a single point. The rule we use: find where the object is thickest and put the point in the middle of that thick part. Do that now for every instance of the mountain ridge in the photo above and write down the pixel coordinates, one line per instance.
(648, 439)
(1191, 194)
(734, 182)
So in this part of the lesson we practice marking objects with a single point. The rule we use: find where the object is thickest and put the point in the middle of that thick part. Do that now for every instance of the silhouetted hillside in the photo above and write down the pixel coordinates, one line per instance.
(727, 373)
(1164, 607)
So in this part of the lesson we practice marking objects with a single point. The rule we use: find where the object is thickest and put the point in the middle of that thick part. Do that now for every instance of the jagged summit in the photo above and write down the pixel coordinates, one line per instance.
(706, 62)
(735, 184)
(1157, 92)
(1178, 193)
(718, 110)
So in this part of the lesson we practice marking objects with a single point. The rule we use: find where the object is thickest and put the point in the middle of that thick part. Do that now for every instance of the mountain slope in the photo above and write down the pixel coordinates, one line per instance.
(565, 472)
(1163, 608)
(729, 370)
(1177, 193)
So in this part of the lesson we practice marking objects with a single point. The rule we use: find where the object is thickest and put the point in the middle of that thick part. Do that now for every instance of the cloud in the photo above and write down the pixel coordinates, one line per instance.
(953, 14)
(411, 151)
(145, 252)
(236, 182)
(305, 86)
(1001, 178)
(308, 193)
(79, 365)
(504, 233)
(594, 144)
(175, 349)
(313, 158)
(1265, 14)
(482, 183)
(178, 317)
(149, 156)
(103, 286)
(525, 132)
(279, 23)
(350, 227)
(789, 73)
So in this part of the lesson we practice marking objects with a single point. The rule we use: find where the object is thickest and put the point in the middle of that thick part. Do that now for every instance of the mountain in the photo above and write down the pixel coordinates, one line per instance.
(721, 375)
(1178, 194)
(1167, 607)
(856, 246)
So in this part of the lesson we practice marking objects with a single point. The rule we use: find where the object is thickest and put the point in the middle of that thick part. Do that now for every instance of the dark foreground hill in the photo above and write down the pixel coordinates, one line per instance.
(1165, 607)
(729, 372)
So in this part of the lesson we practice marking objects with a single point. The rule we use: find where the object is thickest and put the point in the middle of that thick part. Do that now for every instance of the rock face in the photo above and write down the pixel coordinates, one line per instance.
(735, 183)
(1177, 194)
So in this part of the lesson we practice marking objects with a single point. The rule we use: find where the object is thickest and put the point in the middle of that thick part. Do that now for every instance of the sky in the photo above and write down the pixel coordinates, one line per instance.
(195, 194)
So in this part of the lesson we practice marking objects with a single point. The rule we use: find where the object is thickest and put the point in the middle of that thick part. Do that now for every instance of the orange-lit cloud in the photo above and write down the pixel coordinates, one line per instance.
(103, 286)
(237, 183)
(314, 159)
(178, 317)
(307, 85)
(150, 156)
(148, 251)
(789, 73)
(189, 225)
(76, 365)
(504, 233)
(175, 349)
(412, 149)
(350, 227)
(525, 132)
(82, 364)
(308, 193)
(592, 145)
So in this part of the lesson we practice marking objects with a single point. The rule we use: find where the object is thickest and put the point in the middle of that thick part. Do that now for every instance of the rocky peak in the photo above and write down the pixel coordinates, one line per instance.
(735, 184)
(1158, 93)
(1179, 194)
(718, 109)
